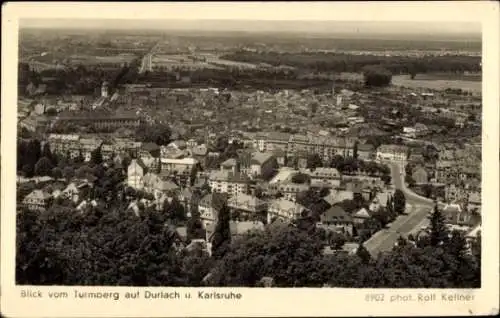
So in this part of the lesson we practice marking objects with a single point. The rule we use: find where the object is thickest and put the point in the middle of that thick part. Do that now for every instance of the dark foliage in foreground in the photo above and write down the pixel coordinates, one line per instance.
(113, 247)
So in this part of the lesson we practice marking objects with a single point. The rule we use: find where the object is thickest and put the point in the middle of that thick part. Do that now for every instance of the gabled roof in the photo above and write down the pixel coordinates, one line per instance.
(137, 162)
(338, 196)
(215, 200)
(200, 150)
(452, 208)
(366, 147)
(186, 193)
(165, 185)
(239, 228)
(260, 157)
(286, 205)
(150, 146)
(278, 136)
(244, 200)
(38, 195)
(362, 214)
(475, 197)
(71, 187)
(336, 214)
(231, 162)
(228, 176)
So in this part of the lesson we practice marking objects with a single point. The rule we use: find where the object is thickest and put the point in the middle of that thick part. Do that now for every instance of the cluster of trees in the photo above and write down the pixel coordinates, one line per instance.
(112, 246)
(35, 160)
(375, 75)
(79, 80)
(344, 62)
(293, 257)
(350, 165)
(101, 247)
(157, 133)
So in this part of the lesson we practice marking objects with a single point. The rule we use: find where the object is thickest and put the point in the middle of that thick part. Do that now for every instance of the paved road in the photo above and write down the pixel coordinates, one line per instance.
(146, 63)
(385, 239)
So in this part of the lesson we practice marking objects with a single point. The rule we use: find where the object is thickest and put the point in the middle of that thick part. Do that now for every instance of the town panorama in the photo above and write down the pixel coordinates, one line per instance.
(197, 158)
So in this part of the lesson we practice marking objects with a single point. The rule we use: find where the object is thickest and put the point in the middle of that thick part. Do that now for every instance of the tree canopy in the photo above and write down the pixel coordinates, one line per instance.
(376, 76)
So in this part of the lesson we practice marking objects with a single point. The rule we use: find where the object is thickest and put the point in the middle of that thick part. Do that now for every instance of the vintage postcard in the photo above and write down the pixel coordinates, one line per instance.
(216, 159)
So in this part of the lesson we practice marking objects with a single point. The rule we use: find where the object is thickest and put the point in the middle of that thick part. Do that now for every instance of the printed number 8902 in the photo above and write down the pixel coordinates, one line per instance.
(374, 297)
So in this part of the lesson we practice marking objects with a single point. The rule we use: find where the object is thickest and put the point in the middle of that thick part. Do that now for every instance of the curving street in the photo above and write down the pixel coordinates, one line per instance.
(385, 239)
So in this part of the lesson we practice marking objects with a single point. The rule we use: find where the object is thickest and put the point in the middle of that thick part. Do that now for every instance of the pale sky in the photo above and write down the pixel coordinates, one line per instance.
(446, 17)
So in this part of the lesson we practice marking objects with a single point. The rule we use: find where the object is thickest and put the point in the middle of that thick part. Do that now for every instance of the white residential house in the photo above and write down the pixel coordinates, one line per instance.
(84, 204)
(71, 192)
(135, 174)
(409, 132)
(157, 186)
(184, 165)
(37, 200)
(226, 181)
(246, 205)
(361, 216)
(284, 210)
(338, 196)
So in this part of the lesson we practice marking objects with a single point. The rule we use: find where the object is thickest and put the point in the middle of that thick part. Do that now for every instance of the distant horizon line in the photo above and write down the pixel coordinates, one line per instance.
(258, 26)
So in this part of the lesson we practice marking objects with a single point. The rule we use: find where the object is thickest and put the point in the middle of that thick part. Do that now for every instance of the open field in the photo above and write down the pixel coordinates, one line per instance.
(437, 81)
(474, 77)
(89, 60)
(437, 84)
(228, 63)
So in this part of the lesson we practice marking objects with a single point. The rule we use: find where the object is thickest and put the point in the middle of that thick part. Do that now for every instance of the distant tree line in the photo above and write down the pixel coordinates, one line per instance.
(343, 62)
(79, 80)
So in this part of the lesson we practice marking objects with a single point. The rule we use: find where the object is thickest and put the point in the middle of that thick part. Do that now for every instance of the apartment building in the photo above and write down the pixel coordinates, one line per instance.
(326, 147)
(393, 153)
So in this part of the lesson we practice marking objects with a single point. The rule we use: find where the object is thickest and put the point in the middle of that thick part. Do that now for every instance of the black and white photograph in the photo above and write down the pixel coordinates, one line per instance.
(283, 153)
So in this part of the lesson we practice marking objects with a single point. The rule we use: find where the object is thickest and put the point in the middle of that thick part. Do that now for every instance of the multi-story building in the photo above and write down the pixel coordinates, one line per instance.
(230, 182)
(157, 185)
(184, 165)
(37, 200)
(63, 144)
(455, 215)
(393, 153)
(325, 147)
(336, 219)
(88, 145)
(246, 206)
(125, 145)
(366, 152)
(329, 177)
(257, 164)
(135, 174)
(273, 141)
(209, 207)
(289, 190)
(284, 210)
(103, 121)
(107, 150)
